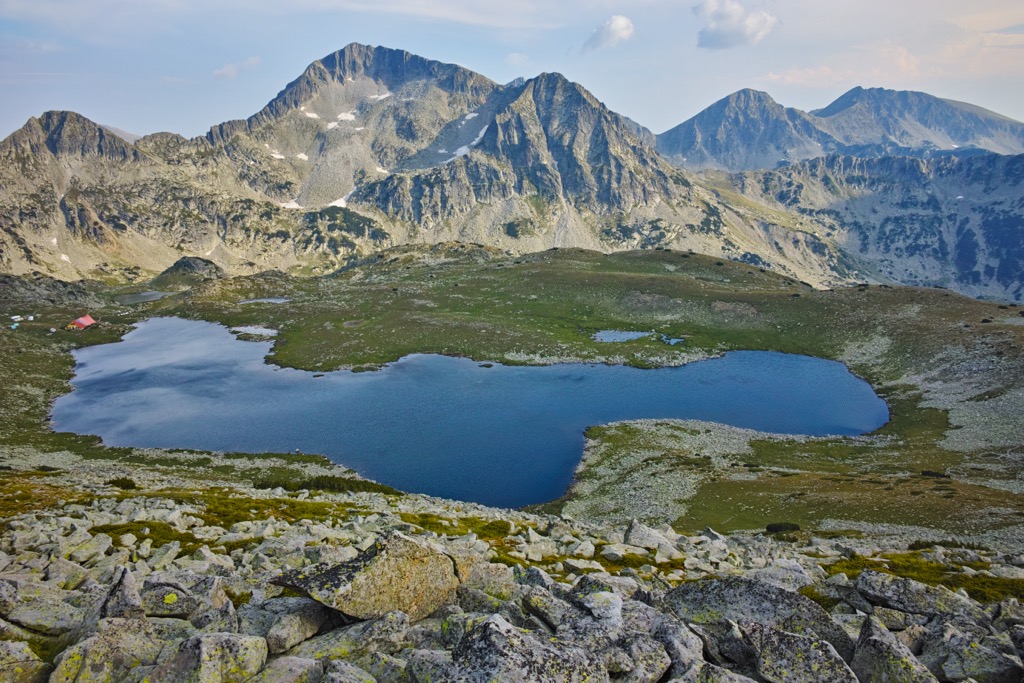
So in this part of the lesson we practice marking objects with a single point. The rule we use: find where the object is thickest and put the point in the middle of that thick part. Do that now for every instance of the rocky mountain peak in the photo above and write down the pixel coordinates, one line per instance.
(65, 133)
(388, 67)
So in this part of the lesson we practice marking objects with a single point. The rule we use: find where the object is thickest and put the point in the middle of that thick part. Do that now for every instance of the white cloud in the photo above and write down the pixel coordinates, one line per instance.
(517, 59)
(729, 24)
(232, 70)
(611, 33)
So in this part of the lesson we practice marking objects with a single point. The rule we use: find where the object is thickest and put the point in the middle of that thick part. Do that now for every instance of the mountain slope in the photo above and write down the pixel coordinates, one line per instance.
(748, 130)
(373, 147)
(952, 222)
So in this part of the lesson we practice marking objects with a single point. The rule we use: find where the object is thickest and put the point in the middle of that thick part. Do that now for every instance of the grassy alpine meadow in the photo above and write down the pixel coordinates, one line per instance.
(949, 367)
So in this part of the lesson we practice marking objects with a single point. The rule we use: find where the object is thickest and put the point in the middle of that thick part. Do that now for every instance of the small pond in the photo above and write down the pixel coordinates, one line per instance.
(449, 427)
(267, 300)
(141, 297)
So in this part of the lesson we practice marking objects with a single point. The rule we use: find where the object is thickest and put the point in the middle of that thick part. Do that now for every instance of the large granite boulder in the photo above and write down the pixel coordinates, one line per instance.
(213, 658)
(880, 656)
(907, 595)
(397, 573)
(790, 658)
(740, 599)
(497, 651)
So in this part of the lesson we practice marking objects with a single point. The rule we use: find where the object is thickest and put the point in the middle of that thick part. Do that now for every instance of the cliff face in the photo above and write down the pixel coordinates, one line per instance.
(953, 222)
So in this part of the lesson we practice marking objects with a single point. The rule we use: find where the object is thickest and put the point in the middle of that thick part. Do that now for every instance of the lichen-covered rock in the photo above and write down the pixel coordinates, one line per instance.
(290, 670)
(166, 598)
(1010, 614)
(648, 660)
(124, 599)
(296, 625)
(704, 672)
(396, 573)
(643, 536)
(912, 596)
(790, 658)
(953, 655)
(346, 672)
(213, 658)
(785, 573)
(740, 599)
(496, 650)
(18, 664)
(118, 646)
(684, 647)
(881, 658)
(386, 634)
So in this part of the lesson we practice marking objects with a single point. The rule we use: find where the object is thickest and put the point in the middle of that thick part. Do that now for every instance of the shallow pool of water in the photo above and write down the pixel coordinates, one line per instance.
(444, 426)
(141, 297)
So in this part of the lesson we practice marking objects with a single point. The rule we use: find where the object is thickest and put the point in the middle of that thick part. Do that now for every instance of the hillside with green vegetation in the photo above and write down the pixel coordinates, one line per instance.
(950, 369)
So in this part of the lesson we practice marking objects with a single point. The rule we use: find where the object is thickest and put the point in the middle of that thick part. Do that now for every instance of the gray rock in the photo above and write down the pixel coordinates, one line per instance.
(616, 552)
(684, 647)
(912, 596)
(545, 606)
(344, 672)
(294, 626)
(703, 672)
(291, 670)
(789, 658)
(603, 605)
(497, 580)
(785, 573)
(648, 659)
(213, 658)
(44, 610)
(1017, 637)
(496, 650)
(118, 646)
(895, 620)
(643, 536)
(725, 645)
(164, 598)
(124, 599)
(739, 599)
(953, 655)
(1010, 614)
(881, 657)
(91, 550)
(396, 573)
(431, 665)
(18, 664)
(385, 634)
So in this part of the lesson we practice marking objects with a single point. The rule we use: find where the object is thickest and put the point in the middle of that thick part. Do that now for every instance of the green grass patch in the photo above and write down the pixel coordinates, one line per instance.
(160, 533)
(982, 588)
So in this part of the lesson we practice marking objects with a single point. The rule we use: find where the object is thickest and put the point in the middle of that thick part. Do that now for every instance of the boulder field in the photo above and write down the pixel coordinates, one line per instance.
(372, 596)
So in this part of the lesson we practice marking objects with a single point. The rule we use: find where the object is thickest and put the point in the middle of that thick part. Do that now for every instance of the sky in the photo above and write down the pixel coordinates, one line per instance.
(184, 65)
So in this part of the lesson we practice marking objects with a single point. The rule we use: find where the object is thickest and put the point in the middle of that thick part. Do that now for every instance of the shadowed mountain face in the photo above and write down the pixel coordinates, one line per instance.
(954, 222)
(749, 130)
(373, 147)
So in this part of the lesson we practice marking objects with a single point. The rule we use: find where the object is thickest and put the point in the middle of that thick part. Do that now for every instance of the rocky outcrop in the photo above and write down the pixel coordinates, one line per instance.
(398, 603)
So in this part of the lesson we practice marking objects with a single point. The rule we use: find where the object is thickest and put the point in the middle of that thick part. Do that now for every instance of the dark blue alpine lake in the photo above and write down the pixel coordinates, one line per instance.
(449, 427)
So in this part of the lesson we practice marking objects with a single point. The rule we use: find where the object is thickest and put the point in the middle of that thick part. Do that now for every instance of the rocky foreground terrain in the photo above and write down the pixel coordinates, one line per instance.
(410, 588)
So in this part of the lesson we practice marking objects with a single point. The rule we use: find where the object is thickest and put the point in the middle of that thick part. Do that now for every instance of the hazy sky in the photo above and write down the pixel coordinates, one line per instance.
(184, 65)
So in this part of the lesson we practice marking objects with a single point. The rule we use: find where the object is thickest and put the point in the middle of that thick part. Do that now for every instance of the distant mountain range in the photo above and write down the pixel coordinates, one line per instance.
(373, 147)
(749, 130)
